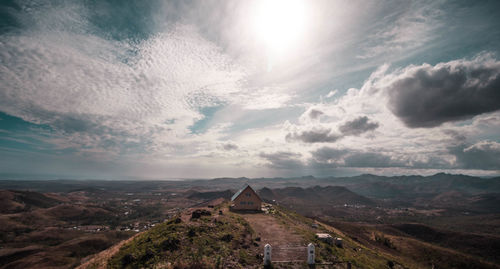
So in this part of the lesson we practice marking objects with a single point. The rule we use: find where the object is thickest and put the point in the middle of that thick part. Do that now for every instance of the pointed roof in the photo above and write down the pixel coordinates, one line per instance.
(241, 190)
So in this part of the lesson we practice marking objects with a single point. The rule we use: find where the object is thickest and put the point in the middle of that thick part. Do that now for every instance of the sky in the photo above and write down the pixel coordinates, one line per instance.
(200, 89)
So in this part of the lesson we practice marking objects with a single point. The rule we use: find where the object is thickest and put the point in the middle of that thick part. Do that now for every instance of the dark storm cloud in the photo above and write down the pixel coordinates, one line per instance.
(282, 160)
(483, 155)
(427, 96)
(358, 126)
(319, 135)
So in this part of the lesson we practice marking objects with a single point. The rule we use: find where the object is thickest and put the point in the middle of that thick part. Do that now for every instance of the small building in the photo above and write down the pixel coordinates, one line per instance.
(327, 238)
(246, 199)
(338, 242)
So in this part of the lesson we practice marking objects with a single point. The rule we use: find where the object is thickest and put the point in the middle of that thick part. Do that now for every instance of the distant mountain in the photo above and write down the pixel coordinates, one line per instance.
(330, 195)
(371, 186)
(411, 187)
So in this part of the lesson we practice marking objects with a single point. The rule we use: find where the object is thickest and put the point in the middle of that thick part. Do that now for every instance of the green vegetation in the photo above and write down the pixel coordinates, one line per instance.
(207, 242)
(228, 240)
(355, 253)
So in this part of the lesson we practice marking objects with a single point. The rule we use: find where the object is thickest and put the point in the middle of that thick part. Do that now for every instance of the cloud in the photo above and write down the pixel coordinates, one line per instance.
(329, 155)
(455, 135)
(261, 98)
(481, 155)
(315, 132)
(282, 160)
(331, 94)
(428, 96)
(230, 146)
(65, 72)
(409, 26)
(314, 113)
(157, 83)
(371, 159)
(358, 126)
(332, 157)
(315, 135)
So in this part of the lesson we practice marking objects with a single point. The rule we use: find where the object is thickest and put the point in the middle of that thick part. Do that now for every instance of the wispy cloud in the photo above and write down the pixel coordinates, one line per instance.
(183, 88)
(95, 91)
(412, 25)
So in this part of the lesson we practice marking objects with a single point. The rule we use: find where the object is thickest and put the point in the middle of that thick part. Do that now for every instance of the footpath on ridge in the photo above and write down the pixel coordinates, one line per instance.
(286, 243)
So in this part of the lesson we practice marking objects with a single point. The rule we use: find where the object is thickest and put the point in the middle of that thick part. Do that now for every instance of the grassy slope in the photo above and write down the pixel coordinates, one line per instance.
(217, 241)
(357, 254)
(413, 253)
(229, 243)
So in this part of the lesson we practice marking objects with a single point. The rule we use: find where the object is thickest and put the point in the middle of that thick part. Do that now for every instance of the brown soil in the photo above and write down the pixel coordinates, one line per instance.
(286, 244)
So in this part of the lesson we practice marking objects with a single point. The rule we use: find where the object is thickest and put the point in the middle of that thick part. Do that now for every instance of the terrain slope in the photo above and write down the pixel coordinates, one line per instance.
(218, 238)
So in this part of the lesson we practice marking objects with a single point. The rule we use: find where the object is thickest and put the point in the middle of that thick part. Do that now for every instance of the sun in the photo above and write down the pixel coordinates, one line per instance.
(279, 24)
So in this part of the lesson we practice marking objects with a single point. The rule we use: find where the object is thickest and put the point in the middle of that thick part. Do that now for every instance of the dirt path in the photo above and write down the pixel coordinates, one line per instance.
(286, 244)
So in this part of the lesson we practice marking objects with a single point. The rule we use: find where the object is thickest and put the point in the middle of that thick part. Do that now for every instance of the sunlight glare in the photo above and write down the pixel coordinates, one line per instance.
(279, 23)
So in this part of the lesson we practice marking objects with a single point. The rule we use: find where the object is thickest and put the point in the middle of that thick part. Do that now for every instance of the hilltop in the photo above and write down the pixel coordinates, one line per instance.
(234, 240)
(223, 239)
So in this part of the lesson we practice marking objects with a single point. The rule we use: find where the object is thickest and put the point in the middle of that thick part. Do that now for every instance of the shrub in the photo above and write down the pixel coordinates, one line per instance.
(191, 232)
(127, 259)
(227, 238)
(170, 244)
(384, 241)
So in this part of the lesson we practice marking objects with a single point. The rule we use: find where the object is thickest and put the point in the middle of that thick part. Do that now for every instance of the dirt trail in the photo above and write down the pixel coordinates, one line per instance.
(286, 244)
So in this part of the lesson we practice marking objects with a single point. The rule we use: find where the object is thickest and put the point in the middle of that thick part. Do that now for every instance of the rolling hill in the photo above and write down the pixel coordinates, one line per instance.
(14, 201)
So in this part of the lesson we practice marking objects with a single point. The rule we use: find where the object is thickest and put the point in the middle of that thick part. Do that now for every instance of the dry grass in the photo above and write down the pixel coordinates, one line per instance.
(100, 260)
